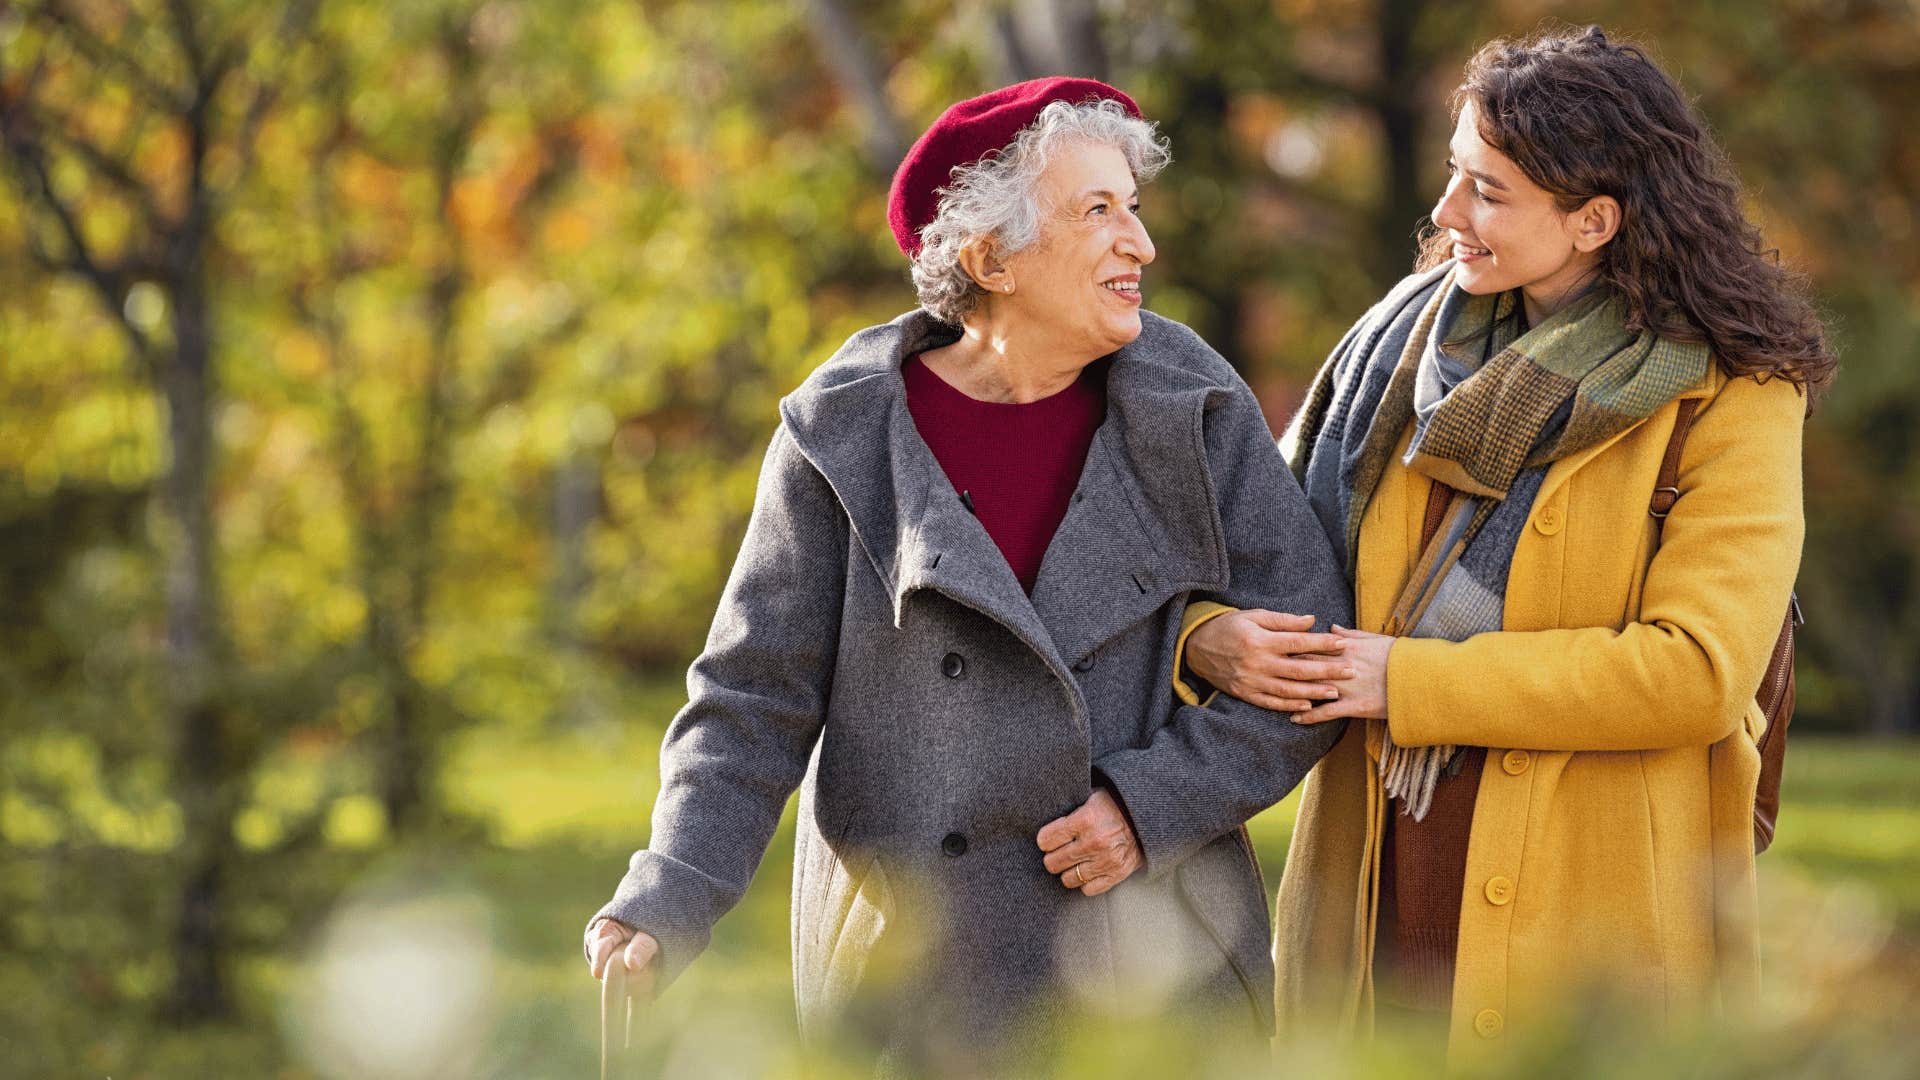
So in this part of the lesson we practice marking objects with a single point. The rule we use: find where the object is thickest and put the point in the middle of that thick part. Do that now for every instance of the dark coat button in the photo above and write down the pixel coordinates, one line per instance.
(954, 844)
(1085, 663)
(952, 665)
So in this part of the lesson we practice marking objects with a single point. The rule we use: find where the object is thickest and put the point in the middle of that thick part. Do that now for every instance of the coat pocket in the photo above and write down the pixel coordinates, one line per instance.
(1222, 887)
(855, 914)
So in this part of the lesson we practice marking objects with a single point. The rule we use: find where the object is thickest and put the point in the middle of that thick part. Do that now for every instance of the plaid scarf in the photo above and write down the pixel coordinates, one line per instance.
(1493, 403)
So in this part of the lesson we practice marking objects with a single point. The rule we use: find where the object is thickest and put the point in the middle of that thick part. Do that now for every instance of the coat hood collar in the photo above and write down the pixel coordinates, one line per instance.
(1145, 495)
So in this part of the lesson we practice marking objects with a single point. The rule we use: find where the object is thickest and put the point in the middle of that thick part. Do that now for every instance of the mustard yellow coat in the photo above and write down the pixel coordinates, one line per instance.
(1612, 841)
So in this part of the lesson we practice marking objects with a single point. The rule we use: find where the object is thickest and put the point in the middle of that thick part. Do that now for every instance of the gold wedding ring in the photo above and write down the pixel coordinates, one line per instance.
(1080, 875)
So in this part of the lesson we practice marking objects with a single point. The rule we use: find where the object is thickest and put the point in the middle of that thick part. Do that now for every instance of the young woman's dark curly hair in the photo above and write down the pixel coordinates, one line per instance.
(1583, 116)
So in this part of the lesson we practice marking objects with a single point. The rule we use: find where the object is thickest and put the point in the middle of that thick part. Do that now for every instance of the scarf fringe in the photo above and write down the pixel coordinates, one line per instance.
(1410, 773)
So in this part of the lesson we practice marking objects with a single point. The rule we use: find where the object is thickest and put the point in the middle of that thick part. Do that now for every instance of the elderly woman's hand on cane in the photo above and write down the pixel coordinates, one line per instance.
(636, 949)
(623, 957)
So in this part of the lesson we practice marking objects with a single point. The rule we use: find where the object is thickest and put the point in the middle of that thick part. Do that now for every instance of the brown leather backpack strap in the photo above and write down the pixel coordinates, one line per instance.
(1438, 499)
(1666, 490)
(1776, 693)
(1776, 701)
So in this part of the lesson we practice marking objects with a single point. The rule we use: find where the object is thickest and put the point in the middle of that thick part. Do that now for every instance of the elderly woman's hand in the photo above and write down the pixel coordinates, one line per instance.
(640, 948)
(1269, 659)
(1092, 849)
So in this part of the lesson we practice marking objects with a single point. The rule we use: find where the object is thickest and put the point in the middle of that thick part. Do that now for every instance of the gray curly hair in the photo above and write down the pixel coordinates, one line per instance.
(998, 195)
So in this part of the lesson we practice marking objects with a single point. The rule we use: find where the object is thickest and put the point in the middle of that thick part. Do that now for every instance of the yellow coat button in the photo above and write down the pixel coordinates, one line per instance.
(1499, 891)
(1548, 521)
(1515, 762)
(1488, 1024)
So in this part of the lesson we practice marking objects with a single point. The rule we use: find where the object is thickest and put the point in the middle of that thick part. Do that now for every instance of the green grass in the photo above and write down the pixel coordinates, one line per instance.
(1851, 816)
(503, 916)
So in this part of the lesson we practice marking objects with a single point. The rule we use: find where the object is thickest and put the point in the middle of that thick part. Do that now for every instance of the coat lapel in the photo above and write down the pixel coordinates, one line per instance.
(1141, 529)
(948, 551)
(851, 420)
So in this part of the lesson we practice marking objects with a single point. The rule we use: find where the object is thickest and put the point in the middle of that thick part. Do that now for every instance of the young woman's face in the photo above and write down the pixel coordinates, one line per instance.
(1506, 231)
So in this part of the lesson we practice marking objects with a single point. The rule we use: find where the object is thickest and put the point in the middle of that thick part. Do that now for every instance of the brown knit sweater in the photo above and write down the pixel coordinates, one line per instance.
(1423, 868)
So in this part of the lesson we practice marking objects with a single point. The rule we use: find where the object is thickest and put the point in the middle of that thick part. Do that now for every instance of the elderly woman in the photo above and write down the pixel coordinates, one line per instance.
(952, 624)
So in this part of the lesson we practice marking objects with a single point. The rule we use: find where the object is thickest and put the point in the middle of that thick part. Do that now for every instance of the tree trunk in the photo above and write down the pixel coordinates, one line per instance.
(1076, 31)
(576, 502)
(1036, 38)
(402, 752)
(407, 785)
(861, 76)
(203, 761)
(1892, 705)
(1400, 111)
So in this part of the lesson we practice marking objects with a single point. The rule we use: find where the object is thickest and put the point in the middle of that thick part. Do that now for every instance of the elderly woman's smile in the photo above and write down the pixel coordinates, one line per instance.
(1127, 286)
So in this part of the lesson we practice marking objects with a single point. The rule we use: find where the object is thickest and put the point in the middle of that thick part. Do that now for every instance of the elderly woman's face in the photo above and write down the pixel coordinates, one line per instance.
(1081, 278)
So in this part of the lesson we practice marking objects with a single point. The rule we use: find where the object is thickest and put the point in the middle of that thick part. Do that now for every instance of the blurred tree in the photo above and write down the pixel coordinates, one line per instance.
(469, 177)
(1036, 38)
(1803, 98)
(184, 143)
(850, 57)
(397, 511)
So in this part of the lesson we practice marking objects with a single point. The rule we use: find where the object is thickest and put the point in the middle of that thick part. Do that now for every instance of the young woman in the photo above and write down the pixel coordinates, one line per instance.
(1551, 793)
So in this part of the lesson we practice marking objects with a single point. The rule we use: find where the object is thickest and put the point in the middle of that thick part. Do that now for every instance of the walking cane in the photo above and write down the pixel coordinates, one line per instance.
(616, 1023)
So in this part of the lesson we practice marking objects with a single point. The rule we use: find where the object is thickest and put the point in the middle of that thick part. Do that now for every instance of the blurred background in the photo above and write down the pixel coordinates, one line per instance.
(382, 387)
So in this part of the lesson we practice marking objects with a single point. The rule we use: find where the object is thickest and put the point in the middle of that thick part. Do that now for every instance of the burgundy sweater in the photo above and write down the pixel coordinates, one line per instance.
(1016, 464)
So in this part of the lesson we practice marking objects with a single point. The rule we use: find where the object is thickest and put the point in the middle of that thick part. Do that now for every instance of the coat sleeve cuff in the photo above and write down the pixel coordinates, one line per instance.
(1165, 826)
(1198, 614)
(1406, 708)
(1207, 773)
(672, 902)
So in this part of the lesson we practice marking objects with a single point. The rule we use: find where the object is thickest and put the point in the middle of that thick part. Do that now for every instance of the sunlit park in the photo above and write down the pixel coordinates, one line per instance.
(383, 392)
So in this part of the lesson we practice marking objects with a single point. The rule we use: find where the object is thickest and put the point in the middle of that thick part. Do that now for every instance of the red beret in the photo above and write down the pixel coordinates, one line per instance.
(967, 132)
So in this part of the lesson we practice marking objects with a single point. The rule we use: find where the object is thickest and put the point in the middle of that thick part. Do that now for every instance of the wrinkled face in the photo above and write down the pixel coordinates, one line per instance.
(1506, 230)
(1079, 283)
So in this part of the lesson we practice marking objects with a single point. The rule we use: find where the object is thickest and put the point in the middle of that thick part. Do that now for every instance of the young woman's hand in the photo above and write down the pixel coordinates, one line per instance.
(1268, 658)
(1364, 693)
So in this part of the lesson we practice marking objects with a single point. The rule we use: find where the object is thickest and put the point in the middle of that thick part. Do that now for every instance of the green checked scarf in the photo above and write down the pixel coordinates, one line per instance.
(1493, 404)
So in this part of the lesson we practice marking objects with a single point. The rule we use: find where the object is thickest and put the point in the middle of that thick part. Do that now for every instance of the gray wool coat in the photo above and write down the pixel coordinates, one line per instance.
(873, 648)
